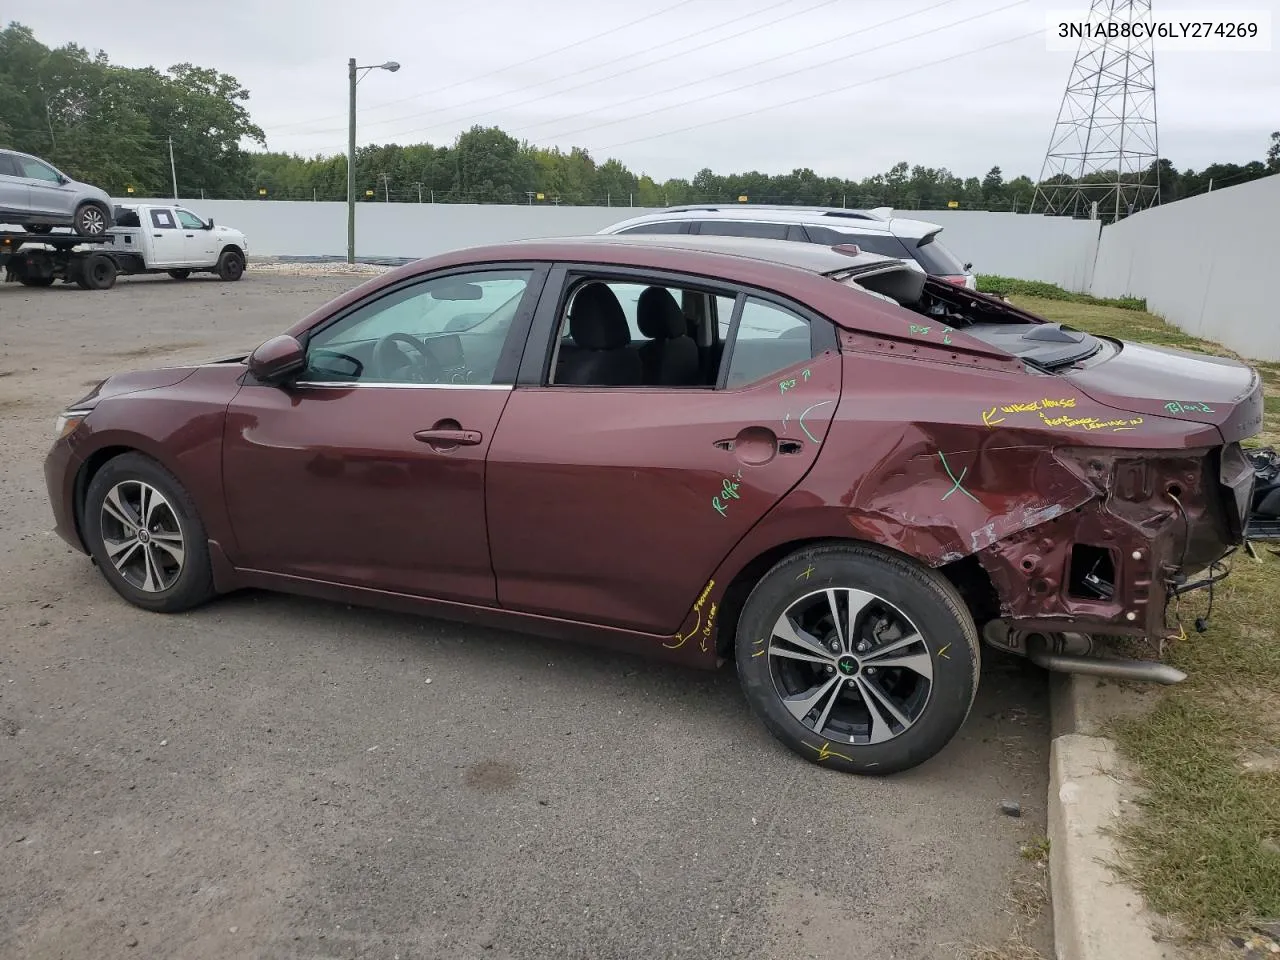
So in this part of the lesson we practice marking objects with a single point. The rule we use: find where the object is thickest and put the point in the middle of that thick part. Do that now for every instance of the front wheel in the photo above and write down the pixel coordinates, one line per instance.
(145, 534)
(230, 265)
(91, 220)
(858, 659)
(180, 274)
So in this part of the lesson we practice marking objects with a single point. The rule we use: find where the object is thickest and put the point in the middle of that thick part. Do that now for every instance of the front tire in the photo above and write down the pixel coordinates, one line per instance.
(230, 265)
(858, 659)
(92, 220)
(181, 274)
(146, 535)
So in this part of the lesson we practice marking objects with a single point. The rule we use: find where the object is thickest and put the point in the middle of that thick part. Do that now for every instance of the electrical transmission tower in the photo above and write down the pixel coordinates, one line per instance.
(1104, 147)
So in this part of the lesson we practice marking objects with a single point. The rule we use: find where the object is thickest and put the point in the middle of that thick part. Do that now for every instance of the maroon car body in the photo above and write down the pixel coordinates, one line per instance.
(641, 516)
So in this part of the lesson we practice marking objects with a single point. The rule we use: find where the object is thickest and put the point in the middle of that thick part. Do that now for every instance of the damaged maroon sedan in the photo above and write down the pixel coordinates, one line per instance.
(818, 462)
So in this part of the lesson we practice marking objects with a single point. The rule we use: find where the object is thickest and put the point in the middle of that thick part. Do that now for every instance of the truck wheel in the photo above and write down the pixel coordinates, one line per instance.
(180, 274)
(36, 281)
(97, 272)
(37, 227)
(230, 265)
(92, 220)
(858, 659)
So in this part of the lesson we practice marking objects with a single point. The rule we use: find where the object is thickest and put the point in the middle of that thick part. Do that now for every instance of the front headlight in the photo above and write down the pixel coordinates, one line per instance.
(67, 422)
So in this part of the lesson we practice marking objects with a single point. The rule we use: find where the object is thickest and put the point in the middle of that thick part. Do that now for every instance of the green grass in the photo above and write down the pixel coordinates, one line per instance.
(1009, 287)
(1203, 849)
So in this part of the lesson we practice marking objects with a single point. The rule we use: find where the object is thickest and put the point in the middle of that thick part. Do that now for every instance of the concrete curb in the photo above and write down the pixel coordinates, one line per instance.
(1096, 916)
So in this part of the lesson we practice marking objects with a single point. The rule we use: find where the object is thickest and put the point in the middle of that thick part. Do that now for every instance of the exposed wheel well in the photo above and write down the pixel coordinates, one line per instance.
(232, 248)
(97, 460)
(966, 575)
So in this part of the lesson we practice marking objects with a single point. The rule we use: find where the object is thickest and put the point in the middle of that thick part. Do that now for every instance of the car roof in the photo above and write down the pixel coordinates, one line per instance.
(811, 257)
(793, 270)
(880, 220)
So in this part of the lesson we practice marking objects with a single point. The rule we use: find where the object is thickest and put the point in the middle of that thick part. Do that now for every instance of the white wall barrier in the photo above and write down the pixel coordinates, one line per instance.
(1029, 247)
(1202, 264)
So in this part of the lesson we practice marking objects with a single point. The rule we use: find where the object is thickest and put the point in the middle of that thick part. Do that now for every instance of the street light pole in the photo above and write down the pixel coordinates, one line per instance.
(353, 77)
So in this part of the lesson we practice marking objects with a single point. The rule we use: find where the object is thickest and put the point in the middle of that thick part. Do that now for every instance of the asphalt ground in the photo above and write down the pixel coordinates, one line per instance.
(274, 777)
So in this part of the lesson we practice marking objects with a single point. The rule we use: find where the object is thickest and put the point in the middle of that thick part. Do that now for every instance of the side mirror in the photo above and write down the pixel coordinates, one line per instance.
(209, 224)
(277, 360)
(968, 266)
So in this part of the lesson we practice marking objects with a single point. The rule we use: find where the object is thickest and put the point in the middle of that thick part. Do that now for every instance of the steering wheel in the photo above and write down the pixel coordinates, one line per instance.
(391, 362)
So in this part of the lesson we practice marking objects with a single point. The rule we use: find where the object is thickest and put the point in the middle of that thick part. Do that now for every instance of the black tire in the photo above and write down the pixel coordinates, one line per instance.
(180, 274)
(36, 281)
(92, 219)
(37, 228)
(903, 589)
(174, 590)
(230, 265)
(97, 272)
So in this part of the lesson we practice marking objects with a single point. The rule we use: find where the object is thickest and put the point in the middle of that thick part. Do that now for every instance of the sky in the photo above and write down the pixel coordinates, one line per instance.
(844, 87)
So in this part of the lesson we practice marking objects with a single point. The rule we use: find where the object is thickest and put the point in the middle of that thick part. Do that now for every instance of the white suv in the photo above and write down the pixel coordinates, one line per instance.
(876, 231)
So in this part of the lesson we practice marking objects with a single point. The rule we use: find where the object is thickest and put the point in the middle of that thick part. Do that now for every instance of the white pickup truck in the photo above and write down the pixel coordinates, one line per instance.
(164, 238)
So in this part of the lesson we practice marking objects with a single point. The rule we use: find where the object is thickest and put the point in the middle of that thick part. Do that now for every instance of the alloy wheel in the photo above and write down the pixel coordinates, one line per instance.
(92, 221)
(850, 666)
(142, 536)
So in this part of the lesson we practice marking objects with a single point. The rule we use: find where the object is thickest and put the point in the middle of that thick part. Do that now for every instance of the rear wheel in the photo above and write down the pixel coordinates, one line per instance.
(37, 227)
(858, 659)
(37, 281)
(145, 534)
(230, 265)
(180, 274)
(97, 272)
(91, 220)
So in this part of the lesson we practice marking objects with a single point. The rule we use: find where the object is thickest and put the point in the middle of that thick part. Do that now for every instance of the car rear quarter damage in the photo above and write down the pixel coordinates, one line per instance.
(1057, 515)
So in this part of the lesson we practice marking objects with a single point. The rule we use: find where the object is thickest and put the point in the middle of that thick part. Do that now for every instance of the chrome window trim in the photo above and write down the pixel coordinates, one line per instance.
(352, 385)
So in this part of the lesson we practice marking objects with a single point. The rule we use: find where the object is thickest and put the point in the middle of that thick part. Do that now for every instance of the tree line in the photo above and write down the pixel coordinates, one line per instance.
(114, 126)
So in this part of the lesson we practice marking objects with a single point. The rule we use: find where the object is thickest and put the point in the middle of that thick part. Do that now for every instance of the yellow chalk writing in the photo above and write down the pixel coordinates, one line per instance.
(826, 752)
(681, 640)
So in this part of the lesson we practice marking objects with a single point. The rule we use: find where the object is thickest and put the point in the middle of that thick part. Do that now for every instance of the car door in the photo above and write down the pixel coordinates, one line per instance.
(48, 196)
(615, 504)
(166, 246)
(15, 195)
(197, 242)
(369, 470)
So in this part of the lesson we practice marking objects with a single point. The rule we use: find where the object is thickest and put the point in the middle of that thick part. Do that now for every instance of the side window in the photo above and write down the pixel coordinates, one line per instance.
(8, 168)
(661, 226)
(163, 220)
(769, 338)
(35, 170)
(616, 333)
(443, 330)
(190, 221)
(743, 228)
(881, 243)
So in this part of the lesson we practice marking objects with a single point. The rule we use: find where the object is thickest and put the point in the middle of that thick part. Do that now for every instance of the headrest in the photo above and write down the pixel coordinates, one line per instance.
(596, 320)
(659, 316)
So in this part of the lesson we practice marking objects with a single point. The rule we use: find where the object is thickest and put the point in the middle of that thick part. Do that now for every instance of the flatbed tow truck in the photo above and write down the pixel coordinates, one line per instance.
(41, 259)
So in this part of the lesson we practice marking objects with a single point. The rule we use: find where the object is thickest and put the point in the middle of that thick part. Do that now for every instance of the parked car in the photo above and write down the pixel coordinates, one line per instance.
(840, 494)
(168, 238)
(876, 231)
(39, 197)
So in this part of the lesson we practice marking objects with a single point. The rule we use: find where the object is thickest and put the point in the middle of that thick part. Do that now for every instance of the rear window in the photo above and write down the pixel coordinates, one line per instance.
(937, 259)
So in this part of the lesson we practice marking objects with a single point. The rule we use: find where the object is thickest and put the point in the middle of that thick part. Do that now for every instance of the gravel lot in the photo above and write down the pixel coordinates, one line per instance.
(275, 777)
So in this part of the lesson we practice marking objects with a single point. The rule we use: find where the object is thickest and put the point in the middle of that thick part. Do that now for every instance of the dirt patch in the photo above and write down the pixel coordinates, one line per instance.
(156, 348)
(492, 776)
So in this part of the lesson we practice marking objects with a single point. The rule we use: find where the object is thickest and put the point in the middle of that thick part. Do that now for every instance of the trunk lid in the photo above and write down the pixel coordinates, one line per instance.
(1172, 383)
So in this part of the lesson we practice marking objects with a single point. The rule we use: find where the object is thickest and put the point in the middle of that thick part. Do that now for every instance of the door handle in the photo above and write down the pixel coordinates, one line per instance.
(190, 235)
(465, 438)
(157, 235)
